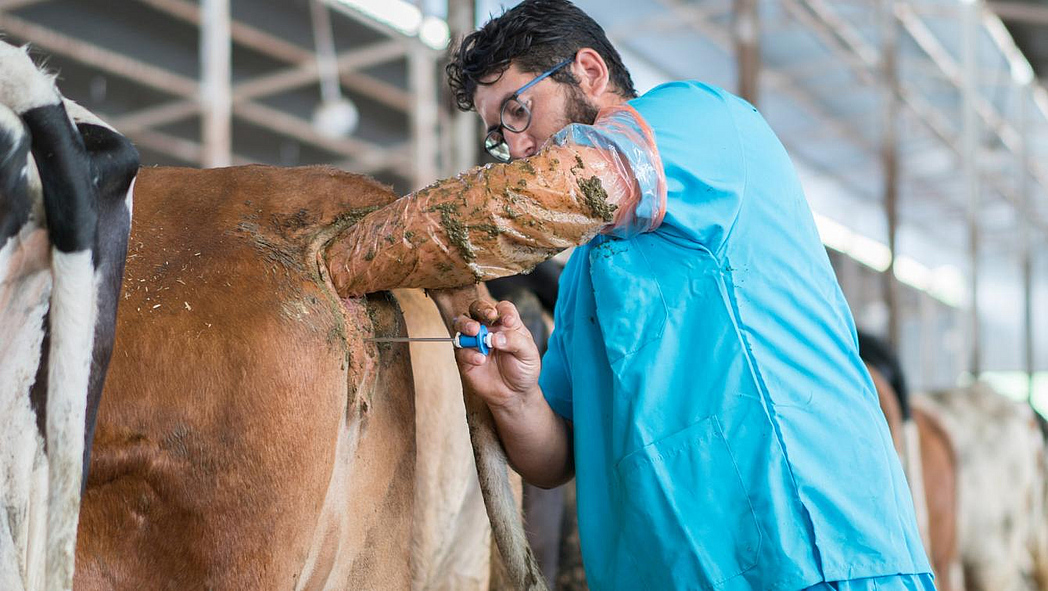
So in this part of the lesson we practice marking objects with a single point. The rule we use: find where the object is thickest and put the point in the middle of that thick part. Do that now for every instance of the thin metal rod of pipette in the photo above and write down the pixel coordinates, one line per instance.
(411, 340)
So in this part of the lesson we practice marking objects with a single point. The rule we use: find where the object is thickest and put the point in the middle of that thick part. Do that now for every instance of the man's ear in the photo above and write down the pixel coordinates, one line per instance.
(591, 72)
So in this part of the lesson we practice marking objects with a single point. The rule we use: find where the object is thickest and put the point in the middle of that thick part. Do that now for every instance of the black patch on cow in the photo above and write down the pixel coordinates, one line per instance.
(38, 391)
(879, 355)
(15, 202)
(65, 174)
(114, 163)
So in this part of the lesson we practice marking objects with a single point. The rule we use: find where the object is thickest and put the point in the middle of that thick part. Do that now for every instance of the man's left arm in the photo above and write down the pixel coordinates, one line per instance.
(504, 219)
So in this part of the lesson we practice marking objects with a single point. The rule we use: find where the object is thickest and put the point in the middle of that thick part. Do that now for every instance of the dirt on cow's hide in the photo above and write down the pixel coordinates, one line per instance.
(248, 436)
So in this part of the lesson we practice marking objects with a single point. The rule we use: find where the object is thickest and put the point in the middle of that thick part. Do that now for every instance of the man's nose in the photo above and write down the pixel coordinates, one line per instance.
(521, 145)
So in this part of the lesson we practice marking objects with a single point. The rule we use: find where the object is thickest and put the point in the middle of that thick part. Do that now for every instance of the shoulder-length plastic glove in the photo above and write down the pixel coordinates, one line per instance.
(504, 219)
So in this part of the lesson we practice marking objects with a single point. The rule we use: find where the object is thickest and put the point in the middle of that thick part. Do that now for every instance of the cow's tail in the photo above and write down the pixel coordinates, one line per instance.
(492, 468)
(506, 525)
(913, 466)
(72, 218)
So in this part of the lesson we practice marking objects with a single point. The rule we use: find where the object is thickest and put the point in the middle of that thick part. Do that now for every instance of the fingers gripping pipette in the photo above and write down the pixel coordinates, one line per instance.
(481, 342)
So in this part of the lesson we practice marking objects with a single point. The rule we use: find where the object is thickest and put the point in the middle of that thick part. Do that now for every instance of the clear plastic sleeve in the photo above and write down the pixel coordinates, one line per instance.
(504, 219)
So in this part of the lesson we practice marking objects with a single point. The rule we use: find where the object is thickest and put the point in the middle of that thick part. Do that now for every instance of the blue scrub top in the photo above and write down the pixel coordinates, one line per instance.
(726, 433)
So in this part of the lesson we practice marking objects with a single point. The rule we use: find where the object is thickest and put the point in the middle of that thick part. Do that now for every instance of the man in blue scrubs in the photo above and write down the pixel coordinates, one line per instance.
(703, 382)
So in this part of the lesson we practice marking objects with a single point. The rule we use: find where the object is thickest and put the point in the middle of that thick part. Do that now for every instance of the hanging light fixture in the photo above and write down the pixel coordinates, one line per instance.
(336, 116)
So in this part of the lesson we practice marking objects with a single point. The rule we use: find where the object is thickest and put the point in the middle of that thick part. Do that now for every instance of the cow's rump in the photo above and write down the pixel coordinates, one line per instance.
(249, 437)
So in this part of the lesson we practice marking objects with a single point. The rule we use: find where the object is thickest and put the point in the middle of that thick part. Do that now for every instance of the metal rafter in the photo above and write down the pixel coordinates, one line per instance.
(1020, 12)
(187, 88)
(890, 161)
(100, 58)
(987, 112)
(843, 38)
(776, 80)
(273, 46)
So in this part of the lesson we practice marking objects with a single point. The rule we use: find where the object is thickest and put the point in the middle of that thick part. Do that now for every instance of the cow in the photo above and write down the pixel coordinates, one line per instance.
(1003, 516)
(250, 435)
(927, 453)
(66, 180)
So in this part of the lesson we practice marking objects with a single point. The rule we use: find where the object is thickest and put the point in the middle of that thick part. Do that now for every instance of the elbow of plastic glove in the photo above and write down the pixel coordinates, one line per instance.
(620, 148)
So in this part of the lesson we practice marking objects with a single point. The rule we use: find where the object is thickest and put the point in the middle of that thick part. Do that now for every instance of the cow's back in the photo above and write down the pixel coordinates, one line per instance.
(248, 436)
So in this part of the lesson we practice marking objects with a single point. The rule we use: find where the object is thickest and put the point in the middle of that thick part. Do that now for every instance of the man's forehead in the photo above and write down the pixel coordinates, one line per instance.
(495, 88)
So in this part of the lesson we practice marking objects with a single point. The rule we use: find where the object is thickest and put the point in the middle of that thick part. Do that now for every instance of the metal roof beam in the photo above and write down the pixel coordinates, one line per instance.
(842, 37)
(1020, 12)
(100, 58)
(277, 48)
(165, 81)
(775, 79)
(264, 85)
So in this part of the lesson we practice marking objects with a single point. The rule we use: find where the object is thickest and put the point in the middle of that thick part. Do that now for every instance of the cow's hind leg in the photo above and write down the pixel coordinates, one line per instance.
(24, 289)
(72, 218)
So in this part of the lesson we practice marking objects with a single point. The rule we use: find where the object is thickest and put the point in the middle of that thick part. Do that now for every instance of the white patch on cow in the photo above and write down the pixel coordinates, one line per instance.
(78, 114)
(129, 201)
(325, 566)
(22, 85)
(12, 126)
(25, 288)
(1001, 477)
(73, 312)
(25, 291)
(915, 474)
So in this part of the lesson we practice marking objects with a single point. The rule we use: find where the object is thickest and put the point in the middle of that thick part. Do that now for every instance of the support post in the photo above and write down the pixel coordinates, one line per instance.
(889, 27)
(424, 113)
(746, 35)
(215, 89)
(970, 69)
(461, 22)
(1025, 246)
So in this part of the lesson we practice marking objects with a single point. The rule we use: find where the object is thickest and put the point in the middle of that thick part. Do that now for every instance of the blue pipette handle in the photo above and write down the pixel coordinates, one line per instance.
(481, 342)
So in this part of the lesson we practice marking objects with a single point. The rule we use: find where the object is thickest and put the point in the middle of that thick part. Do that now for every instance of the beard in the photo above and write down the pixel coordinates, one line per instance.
(579, 110)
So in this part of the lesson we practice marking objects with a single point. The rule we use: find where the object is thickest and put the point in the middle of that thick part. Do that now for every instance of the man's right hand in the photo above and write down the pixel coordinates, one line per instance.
(509, 374)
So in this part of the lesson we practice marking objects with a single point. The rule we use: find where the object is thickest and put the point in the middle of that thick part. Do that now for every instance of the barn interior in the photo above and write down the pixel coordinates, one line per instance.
(919, 127)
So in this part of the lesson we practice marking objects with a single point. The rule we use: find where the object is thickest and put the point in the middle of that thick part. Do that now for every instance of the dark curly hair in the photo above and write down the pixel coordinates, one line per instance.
(536, 35)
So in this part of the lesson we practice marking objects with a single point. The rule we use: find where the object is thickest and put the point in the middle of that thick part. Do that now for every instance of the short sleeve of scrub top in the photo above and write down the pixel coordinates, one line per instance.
(702, 154)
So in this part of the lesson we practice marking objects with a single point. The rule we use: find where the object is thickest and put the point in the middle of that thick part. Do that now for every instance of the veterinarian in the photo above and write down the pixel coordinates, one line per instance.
(703, 382)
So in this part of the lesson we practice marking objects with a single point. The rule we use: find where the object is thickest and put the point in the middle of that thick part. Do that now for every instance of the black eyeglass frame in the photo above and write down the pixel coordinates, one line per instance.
(495, 141)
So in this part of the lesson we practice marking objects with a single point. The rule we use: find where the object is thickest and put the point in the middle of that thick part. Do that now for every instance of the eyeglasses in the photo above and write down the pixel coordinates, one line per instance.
(514, 116)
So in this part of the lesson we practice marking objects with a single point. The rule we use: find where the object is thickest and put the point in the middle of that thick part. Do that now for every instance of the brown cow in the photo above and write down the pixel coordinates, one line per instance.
(938, 478)
(249, 436)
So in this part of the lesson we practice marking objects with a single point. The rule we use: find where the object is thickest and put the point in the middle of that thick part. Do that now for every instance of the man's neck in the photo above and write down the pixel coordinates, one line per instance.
(610, 99)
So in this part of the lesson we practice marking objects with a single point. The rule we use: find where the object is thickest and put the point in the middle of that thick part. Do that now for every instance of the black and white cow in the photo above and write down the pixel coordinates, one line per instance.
(65, 214)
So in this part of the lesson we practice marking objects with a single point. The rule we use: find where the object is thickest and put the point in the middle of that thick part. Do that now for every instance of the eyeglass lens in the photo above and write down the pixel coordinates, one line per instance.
(515, 115)
(496, 145)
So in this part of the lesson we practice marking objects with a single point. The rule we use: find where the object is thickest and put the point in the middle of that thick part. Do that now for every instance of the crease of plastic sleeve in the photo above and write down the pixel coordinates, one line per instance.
(625, 141)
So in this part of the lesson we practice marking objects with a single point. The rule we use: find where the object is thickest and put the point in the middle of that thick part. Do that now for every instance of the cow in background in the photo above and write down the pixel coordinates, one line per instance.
(65, 199)
(1003, 523)
(928, 456)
